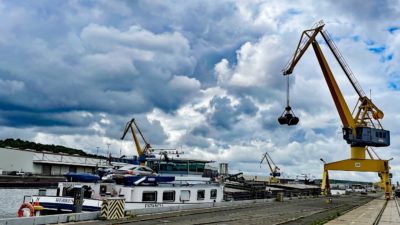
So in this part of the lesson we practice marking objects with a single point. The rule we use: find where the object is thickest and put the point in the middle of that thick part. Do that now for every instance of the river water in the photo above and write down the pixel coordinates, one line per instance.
(11, 199)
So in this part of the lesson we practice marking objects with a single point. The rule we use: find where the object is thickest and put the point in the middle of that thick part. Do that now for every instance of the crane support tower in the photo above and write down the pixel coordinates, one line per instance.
(362, 128)
(275, 170)
(146, 151)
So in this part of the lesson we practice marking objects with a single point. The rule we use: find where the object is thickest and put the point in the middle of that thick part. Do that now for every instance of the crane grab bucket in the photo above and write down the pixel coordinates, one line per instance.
(288, 117)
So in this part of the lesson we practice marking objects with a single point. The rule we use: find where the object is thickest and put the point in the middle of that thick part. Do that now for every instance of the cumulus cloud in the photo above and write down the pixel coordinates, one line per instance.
(202, 76)
(257, 70)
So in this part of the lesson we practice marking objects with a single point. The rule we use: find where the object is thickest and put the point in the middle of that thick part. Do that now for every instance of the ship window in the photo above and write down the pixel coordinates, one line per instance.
(200, 167)
(149, 196)
(384, 135)
(185, 195)
(196, 167)
(165, 166)
(181, 166)
(103, 189)
(213, 194)
(150, 164)
(169, 196)
(193, 167)
(201, 194)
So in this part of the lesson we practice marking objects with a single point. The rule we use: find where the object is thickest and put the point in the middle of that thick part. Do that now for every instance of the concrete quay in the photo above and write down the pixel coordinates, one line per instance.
(371, 213)
(295, 211)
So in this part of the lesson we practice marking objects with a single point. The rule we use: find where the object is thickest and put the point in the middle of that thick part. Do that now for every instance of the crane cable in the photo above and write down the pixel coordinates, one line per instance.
(288, 117)
(287, 91)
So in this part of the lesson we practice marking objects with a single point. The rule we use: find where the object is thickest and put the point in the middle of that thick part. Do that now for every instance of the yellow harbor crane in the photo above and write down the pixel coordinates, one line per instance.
(144, 152)
(275, 170)
(361, 129)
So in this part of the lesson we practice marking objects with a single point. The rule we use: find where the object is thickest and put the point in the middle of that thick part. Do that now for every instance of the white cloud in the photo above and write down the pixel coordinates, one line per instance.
(256, 67)
(90, 67)
(183, 83)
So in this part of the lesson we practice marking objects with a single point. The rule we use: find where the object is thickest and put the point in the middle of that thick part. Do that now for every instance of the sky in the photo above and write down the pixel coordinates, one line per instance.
(203, 77)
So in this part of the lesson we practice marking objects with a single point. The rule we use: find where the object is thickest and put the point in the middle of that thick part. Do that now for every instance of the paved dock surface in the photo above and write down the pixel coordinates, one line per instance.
(368, 213)
(391, 214)
(296, 211)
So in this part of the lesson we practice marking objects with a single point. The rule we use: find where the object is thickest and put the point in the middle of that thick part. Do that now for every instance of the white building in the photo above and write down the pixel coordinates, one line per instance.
(46, 163)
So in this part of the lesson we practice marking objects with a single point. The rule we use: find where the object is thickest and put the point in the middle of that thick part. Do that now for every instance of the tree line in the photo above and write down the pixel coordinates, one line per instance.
(21, 144)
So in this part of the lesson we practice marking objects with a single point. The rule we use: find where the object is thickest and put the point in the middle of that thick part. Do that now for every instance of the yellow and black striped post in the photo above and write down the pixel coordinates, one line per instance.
(113, 208)
(104, 209)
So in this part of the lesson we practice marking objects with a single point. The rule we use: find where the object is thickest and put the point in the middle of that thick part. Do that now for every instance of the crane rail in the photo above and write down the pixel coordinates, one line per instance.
(378, 218)
(397, 204)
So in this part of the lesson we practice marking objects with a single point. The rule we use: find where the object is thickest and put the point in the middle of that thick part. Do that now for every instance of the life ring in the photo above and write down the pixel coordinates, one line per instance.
(26, 205)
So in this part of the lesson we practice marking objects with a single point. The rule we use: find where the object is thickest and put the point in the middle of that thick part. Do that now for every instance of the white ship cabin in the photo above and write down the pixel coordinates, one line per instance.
(193, 194)
(136, 197)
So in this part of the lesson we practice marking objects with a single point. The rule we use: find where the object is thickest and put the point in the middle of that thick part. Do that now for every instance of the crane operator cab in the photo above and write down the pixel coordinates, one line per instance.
(275, 174)
(367, 136)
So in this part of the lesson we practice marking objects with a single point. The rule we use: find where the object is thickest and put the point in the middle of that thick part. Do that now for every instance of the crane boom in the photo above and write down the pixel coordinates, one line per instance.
(341, 106)
(307, 37)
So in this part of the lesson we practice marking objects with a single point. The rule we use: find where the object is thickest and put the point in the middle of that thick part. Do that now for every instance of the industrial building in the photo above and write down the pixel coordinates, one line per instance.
(47, 163)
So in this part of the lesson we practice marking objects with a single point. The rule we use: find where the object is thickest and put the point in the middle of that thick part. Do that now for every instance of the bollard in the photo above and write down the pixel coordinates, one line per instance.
(112, 208)
(279, 196)
(78, 199)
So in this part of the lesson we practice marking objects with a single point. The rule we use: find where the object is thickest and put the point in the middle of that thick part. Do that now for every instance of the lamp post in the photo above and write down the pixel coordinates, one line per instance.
(108, 148)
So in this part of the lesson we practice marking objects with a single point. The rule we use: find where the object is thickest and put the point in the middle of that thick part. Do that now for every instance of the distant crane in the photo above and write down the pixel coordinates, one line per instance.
(146, 151)
(275, 170)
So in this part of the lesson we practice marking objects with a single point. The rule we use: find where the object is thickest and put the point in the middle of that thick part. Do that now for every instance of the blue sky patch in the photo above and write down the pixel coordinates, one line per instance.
(393, 29)
(377, 50)
(393, 86)
(298, 136)
(369, 42)
(393, 82)
(355, 38)
(293, 11)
